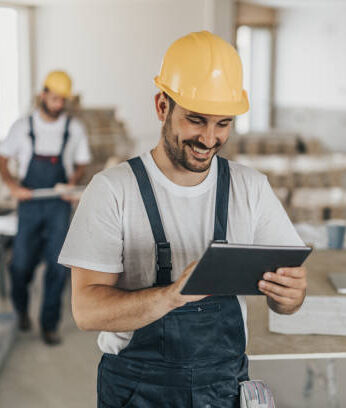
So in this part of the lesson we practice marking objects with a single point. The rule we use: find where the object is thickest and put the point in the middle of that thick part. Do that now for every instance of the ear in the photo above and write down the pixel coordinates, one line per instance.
(42, 95)
(162, 106)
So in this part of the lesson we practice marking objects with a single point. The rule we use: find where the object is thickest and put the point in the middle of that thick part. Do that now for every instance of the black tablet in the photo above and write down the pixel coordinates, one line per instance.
(232, 269)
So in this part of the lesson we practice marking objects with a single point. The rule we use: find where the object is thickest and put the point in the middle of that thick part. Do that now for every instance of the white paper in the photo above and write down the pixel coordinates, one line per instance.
(53, 192)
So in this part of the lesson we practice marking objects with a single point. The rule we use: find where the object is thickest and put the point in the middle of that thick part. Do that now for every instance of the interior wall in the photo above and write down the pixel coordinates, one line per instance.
(25, 56)
(113, 50)
(310, 86)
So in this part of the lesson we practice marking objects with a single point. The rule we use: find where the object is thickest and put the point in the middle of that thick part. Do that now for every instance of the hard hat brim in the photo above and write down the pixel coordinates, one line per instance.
(207, 107)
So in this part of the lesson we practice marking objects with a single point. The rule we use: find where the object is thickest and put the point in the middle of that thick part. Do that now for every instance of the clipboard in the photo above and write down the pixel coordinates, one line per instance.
(43, 193)
(236, 269)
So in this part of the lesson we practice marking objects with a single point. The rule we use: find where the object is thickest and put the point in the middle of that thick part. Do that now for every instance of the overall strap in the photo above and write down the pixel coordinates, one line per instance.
(31, 132)
(163, 248)
(222, 196)
(66, 134)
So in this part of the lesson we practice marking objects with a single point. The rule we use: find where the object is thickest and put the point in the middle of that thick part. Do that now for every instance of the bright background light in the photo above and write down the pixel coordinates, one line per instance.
(9, 104)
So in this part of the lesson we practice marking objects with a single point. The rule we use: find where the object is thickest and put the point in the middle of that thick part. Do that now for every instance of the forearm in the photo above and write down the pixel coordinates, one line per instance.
(78, 174)
(6, 175)
(107, 308)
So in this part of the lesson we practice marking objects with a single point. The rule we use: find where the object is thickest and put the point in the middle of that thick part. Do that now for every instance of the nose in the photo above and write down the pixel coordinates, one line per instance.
(59, 105)
(208, 137)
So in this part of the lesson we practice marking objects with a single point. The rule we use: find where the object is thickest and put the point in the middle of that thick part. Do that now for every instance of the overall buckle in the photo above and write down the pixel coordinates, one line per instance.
(163, 263)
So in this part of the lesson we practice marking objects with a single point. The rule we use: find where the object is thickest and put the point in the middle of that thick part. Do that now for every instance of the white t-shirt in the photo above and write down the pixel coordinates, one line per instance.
(110, 231)
(48, 142)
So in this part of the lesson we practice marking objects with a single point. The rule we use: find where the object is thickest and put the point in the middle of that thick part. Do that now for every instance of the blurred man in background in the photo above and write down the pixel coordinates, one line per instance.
(51, 148)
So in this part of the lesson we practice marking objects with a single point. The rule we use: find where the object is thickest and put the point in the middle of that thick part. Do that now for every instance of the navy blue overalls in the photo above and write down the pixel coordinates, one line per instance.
(192, 357)
(42, 229)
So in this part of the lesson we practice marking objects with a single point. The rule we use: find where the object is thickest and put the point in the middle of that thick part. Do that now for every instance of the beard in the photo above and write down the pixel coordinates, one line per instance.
(180, 155)
(52, 114)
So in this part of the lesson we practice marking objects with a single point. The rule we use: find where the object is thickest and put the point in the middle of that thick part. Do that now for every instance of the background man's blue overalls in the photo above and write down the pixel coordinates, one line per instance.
(42, 229)
(192, 357)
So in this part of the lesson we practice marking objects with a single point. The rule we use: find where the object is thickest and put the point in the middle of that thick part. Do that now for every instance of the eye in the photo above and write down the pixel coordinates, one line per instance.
(194, 121)
(224, 124)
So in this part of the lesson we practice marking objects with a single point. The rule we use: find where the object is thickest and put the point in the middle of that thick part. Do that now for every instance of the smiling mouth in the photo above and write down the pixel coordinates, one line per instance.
(199, 152)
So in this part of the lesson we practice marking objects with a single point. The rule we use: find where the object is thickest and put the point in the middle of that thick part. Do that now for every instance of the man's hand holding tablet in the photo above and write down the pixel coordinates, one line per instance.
(285, 289)
(232, 269)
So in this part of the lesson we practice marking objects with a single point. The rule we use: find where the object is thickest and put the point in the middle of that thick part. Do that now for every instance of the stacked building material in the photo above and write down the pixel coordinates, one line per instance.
(318, 204)
(108, 137)
(272, 142)
(309, 181)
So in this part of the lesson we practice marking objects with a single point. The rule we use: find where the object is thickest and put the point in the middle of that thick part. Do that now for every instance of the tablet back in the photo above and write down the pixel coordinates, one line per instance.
(228, 269)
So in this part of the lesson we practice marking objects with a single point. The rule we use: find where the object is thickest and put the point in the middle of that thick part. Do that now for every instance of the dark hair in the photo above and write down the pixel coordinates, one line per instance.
(171, 104)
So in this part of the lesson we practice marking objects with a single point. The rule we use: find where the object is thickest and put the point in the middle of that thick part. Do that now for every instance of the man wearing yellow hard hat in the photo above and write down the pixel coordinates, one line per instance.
(132, 252)
(50, 148)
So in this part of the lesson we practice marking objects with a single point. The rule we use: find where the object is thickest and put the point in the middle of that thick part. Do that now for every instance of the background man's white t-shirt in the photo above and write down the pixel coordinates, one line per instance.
(110, 231)
(48, 142)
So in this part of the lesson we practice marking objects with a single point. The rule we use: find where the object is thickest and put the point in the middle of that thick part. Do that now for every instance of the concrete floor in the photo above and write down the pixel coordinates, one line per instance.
(304, 383)
(38, 376)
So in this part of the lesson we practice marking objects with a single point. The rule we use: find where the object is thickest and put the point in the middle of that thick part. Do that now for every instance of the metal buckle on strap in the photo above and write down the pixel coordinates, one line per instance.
(163, 264)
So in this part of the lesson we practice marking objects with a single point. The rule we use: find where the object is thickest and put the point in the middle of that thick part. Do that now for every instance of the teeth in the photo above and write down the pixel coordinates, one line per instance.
(202, 151)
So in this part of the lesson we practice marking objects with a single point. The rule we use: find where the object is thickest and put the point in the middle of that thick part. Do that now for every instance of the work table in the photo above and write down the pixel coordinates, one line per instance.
(264, 344)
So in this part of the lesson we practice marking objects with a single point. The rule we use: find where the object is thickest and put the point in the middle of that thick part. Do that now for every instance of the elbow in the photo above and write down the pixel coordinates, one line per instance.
(81, 322)
(82, 319)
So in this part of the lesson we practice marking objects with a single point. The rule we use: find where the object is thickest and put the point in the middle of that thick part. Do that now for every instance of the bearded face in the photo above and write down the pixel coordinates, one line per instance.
(52, 104)
(191, 140)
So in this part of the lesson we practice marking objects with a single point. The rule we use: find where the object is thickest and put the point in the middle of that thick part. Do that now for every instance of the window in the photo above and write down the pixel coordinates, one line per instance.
(9, 69)
(255, 46)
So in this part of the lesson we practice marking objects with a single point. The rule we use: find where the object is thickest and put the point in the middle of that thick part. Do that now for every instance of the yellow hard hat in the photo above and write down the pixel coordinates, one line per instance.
(59, 82)
(203, 73)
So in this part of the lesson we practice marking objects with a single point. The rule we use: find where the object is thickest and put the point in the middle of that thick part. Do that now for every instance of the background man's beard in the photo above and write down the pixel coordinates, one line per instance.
(50, 113)
(178, 156)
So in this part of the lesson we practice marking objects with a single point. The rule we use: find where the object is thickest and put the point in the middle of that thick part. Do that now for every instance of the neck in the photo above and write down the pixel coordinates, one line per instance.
(46, 117)
(177, 174)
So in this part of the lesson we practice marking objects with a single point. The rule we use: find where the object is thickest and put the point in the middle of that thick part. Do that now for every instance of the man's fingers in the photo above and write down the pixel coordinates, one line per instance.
(299, 272)
(176, 287)
(279, 299)
(279, 290)
(287, 281)
(26, 193)
(24, 196)
(68, 198)
(189, 269)
(185, 274)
